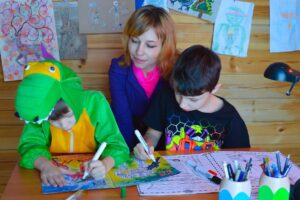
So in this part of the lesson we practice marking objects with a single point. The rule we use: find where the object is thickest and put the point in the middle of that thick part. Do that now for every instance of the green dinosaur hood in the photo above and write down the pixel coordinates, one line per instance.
(45, 82)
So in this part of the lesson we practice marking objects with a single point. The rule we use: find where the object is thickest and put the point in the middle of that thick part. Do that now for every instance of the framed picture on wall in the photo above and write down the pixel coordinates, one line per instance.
(102, 16)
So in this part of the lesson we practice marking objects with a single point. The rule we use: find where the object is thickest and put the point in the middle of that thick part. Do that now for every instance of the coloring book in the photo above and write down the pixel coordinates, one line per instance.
(132, 172)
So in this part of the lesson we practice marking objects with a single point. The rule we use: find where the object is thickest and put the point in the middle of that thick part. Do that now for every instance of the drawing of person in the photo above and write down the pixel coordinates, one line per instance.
(115, 10)
(95, 15)
(233, 34)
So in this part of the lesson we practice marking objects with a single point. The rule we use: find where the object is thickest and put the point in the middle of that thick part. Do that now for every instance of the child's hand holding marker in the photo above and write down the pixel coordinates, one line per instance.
(142, 150)
(95, 167)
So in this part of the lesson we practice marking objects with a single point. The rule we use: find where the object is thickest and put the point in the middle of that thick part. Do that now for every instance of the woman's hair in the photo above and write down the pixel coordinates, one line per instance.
(141, 21)
(59, 110)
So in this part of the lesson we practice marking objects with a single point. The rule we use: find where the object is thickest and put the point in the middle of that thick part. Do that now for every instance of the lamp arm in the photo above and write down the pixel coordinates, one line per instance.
(288, 93)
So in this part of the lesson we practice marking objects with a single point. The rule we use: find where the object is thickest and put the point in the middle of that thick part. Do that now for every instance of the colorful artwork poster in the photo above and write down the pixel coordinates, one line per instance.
(232, 28)
(284, 25)
(24, 25)
(132, 172)
(204, 9)
(158, 3)
(72, 44)
(102, 16)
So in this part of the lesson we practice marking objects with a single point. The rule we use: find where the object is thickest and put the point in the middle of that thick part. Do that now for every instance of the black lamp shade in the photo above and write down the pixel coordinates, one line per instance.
(281, 72)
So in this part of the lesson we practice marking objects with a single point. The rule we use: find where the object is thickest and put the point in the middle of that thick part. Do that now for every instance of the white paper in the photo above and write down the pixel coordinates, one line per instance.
(158, 3)
(188, 183)
(232, 28)
(284, 25)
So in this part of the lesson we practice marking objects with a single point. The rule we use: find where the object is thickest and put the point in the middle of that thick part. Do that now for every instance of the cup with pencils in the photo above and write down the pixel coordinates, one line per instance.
(235, 184)
(274, 182)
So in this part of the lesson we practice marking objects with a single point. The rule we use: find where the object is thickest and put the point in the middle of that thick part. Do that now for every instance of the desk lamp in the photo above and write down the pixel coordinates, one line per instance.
(279, 71)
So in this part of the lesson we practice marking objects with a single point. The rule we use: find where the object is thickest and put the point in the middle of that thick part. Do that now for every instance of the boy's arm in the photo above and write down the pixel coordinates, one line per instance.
(106, 128)
(34, 143)
(152, 137)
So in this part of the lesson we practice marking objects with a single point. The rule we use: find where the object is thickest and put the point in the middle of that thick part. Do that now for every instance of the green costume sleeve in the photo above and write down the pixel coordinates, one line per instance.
(106, 128)
(33, 144)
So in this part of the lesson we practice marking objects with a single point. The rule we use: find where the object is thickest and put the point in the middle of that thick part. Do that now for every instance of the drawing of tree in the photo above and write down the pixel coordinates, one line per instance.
(26, 24)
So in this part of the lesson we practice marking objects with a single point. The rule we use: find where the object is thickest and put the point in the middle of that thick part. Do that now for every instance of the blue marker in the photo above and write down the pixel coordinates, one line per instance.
(278, 161)
(286, 164)
(230, 172)
(276, 171)
(287, 170)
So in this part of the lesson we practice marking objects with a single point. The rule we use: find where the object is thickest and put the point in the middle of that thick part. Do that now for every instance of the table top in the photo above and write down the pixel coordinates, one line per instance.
(26, 184)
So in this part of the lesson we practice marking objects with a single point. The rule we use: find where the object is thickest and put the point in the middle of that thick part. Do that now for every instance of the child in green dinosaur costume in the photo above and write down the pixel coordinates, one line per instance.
(61, 117)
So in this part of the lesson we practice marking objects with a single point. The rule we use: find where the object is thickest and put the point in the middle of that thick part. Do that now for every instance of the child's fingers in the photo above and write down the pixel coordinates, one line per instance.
(151, 149)
(45, 179)
(97, 169)
(59, 180)
(139, 152)
(86, 166)
(98, 173)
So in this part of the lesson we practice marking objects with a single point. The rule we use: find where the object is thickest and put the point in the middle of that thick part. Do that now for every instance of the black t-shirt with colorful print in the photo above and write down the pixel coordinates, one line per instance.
(195, 130)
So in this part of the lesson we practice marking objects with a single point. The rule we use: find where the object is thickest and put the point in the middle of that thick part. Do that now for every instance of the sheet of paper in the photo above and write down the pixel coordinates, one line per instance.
(72, 44)
(284, 25)
(203, 9)
(232, 28)
(158, 3)
(132, 172)
(103, 16)
(184, 183)
(176, 185)
(24, 25)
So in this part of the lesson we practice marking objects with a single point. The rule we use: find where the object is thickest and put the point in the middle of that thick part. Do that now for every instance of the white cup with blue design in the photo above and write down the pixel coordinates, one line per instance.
(230, 190)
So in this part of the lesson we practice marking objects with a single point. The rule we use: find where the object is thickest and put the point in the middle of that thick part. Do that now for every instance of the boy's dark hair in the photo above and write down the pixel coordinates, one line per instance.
(197, 70)
(59, 110)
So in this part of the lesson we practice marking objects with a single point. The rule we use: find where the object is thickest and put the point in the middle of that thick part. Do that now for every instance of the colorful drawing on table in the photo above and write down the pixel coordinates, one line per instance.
(132, 172)
(203, 9)
(24, 26)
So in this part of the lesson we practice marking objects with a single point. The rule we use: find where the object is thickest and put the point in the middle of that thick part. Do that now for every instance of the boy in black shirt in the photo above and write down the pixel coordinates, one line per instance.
(190, 115)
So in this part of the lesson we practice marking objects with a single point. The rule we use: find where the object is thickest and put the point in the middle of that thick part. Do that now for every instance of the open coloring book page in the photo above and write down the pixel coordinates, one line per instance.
(132, 172)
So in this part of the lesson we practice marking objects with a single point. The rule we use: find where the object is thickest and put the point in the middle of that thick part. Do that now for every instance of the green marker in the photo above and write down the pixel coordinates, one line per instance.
(123, 192)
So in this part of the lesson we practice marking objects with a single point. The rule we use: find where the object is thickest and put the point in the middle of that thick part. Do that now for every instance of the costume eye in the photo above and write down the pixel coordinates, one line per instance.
(27, 67)
(52, 69)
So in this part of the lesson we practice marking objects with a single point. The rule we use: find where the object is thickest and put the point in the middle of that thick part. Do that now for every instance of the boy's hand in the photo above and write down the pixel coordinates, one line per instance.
(96, 169)
(50, 174)
(140, 153)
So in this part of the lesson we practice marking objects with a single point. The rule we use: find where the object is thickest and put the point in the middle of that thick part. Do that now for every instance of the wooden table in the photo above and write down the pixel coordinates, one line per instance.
(26, 185)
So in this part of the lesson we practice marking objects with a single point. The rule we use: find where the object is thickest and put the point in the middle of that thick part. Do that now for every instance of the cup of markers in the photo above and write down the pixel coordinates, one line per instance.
(274, 182)
(235, 184)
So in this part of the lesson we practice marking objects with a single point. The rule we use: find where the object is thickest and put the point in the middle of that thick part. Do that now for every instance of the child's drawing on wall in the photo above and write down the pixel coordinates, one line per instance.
(24, 25)
(102, 16)
(115, 11)
(158, 3)
(284, 25)
(232, 28)
(204, 9)
(72, 45)
(95, 16)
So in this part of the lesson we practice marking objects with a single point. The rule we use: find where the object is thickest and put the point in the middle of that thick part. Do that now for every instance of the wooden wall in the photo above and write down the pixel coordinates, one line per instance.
(271, 116)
